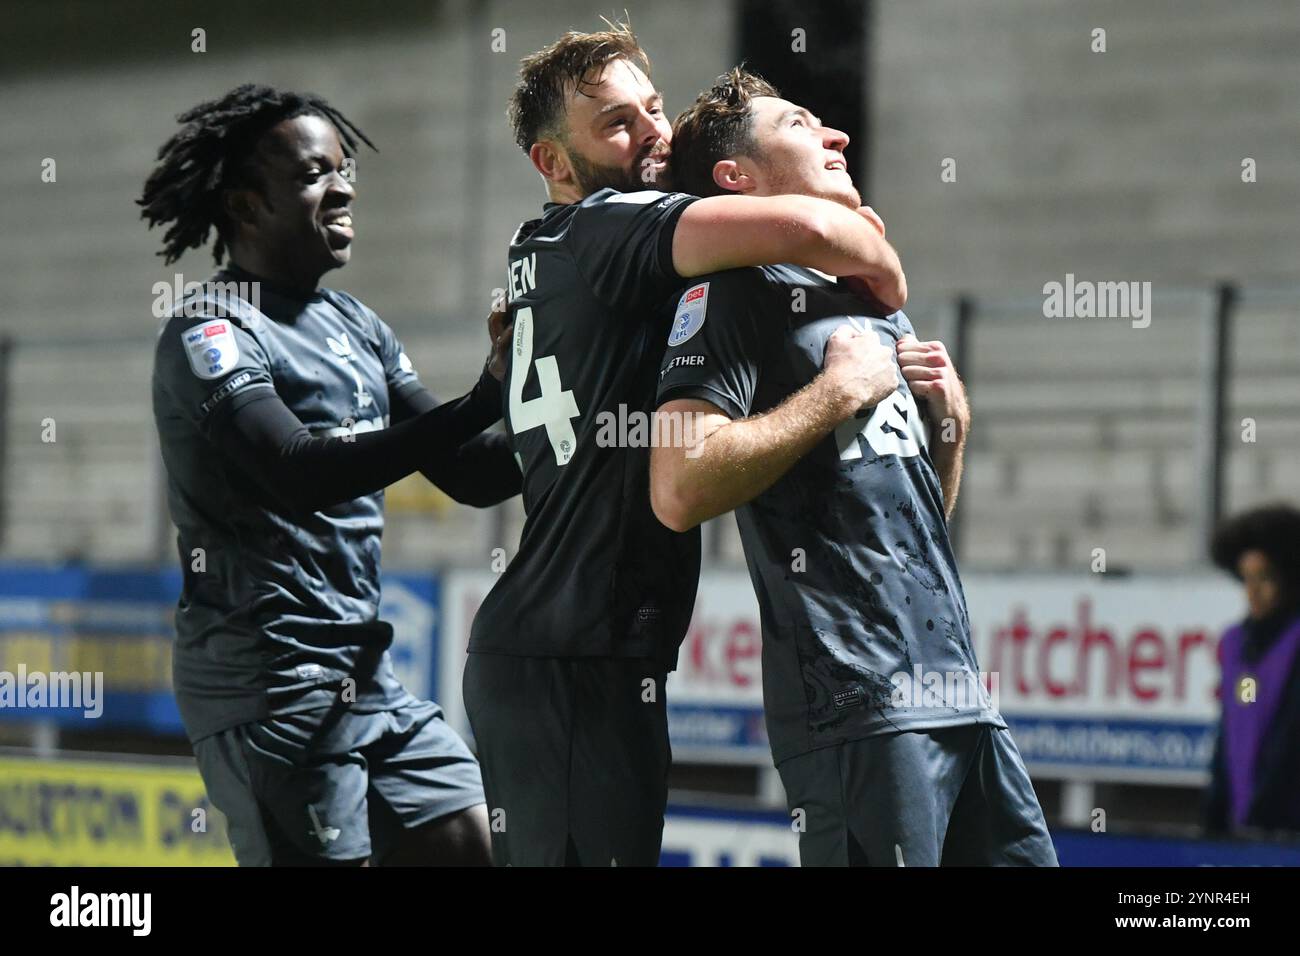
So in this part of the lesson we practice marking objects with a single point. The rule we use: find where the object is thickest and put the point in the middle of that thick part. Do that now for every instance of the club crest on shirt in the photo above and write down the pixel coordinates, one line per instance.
(343, 349)
(340, 346)
(211, 347)
(689, 318)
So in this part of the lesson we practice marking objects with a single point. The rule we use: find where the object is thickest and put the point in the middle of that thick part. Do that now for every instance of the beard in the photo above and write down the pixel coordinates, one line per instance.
(593, 177)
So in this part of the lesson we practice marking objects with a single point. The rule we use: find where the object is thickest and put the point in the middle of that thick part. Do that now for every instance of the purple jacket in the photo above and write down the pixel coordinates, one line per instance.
(1257, 762)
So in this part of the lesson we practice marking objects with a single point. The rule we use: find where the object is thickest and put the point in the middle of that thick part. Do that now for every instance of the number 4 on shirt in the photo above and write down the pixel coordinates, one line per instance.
(555, 408)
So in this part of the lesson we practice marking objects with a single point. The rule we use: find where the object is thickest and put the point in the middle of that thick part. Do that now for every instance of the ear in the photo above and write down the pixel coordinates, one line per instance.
(240, 206)
(728, 175)
(551, 161)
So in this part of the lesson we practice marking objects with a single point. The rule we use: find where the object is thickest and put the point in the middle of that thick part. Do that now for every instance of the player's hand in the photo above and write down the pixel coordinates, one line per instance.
(870, 215)
(889, 288)
(931, 375)
(500, 332)
(859, 368)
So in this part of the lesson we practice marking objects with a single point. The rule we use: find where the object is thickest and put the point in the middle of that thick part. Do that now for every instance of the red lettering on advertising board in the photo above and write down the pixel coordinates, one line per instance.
(1059, 660)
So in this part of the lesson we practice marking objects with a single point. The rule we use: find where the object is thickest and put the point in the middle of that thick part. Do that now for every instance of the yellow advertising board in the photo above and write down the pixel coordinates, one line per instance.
(101, 813)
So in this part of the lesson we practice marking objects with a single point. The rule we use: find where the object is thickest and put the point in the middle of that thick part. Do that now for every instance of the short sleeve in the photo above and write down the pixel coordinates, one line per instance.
(623, 244)
(210, 367)
(717, 342)
(904, 323)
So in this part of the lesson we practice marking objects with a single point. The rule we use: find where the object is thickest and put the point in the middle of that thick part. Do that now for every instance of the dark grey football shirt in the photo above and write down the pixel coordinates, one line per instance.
(848, 551)
(275, 611)
(596, 574)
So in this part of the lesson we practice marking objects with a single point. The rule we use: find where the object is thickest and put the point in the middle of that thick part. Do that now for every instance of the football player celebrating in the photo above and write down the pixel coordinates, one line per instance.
(843, 524)
(569, 652)
(281, 420)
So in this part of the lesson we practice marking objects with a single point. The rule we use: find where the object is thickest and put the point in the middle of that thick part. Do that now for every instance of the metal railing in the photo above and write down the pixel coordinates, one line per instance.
(96, 494)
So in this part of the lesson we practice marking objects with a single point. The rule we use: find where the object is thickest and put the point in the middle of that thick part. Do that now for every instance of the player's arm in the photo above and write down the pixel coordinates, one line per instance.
(932, 376)
(727, 232)
(482, 472)
(303, 472)
(729, 462)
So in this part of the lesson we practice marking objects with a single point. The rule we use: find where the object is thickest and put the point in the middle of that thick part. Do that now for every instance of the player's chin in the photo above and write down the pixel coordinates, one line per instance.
(339, 254)
(840, 189)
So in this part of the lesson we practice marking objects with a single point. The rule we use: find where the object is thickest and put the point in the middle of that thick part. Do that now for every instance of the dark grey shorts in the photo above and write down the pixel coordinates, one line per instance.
(309, 787)
(575, 758)
(955, 797)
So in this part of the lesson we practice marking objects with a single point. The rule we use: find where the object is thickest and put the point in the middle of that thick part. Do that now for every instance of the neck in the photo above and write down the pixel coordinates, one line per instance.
(565, 194)
(282, 278)
(1263, 632)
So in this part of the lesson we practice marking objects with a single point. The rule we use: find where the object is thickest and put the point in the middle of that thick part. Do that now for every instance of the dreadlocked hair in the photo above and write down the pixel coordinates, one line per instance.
(210, 154)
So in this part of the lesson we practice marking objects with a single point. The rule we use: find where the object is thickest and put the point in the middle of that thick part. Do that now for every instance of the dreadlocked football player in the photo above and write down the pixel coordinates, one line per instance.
(568, 654)
(281, 420)
(844, 525)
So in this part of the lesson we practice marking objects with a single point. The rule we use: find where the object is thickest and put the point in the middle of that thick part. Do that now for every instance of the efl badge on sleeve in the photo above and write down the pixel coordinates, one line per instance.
(689, 318)
(212, 348)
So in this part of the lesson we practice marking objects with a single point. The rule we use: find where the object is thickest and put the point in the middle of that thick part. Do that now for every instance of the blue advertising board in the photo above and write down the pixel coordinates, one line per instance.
(717, 836)
(103, 639)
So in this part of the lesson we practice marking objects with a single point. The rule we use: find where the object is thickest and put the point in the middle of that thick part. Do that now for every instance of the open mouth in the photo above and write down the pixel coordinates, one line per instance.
(339, 224)
(838, 165)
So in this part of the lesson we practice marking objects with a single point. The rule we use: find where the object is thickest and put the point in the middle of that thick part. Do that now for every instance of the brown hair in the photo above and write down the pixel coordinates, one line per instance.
(718, 125)
(537, 105)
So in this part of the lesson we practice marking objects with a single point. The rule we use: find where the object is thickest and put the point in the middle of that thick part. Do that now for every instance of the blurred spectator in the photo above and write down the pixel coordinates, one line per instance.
(1255, 775)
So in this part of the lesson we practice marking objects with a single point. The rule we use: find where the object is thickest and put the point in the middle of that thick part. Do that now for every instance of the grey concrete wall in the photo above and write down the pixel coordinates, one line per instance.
(435, 210)
(1122, 165)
